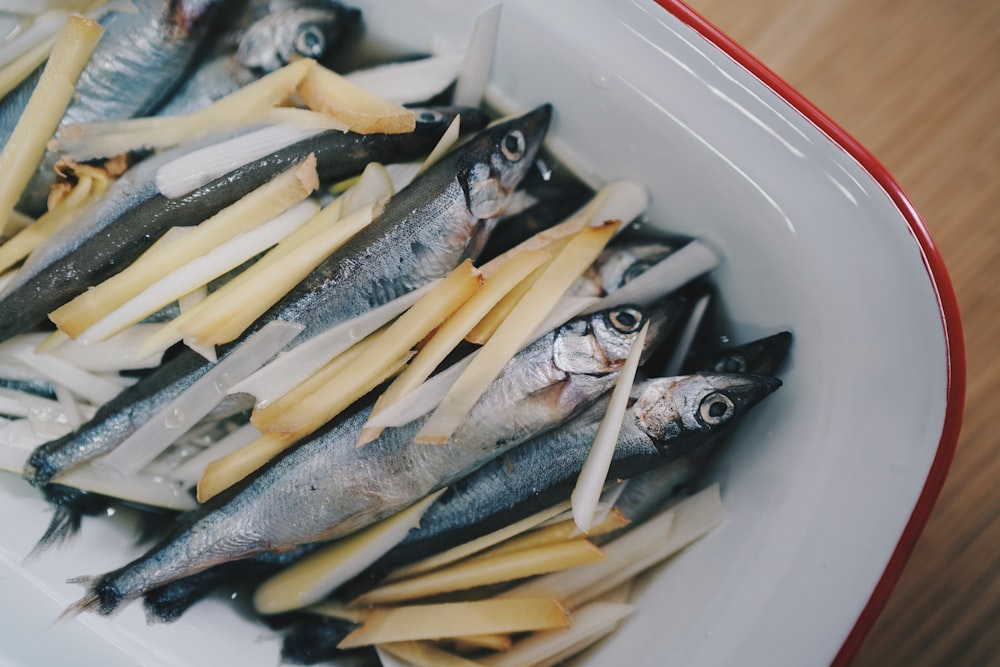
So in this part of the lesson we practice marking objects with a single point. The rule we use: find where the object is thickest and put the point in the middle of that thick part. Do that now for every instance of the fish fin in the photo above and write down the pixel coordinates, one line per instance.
(65, 524)
(101, 597)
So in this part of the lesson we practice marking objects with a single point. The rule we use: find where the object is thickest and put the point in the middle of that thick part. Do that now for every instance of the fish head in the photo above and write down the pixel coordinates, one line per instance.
(761, 356)
(300, 29)
(678, 413)
(494, 163)
(599, 343)
(618, 265)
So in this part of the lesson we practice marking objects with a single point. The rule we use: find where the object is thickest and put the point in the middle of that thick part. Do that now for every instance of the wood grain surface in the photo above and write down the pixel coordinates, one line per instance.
(918, 83)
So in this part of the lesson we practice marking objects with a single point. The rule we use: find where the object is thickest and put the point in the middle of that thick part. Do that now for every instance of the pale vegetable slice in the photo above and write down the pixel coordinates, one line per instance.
(475, 546)
(295, 366)
(246, 105)
(470, 643)
(338, 609)
(556, 533)
(636, 551)
(152, 490)
(314, 577)
(222, 473)
(530, 311)
(412, 81)
(190, 470)
(451, 333)
(200, 271)
(683, 346)
(594, 473)
(363, 111)
(484, 570)
(197, 168)
(183, 412)
(491, 321)
(43, 28)
(93, 388)
(16, 71)
(455, 619)
(274, 197)
(423, 654)
(53, 93)
(236, 308)
(550, 647)
(17, 440)
(299, 416)
(475, 72)
(373, 185)
(444, 144)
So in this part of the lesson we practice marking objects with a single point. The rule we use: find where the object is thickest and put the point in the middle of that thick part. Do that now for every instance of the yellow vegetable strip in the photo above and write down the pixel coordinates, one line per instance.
(423, 654)
(338, 609)
(556, 533)
(45, 109)
(222, 473)
(224, 317)
(452, 331)
(363, 111)
(551, 647)
(495, 642)
(246, 105)
(456, 619)
(477, 545)
(301, 417)
(590, 482)
(170, 332)
(486, 570)
(18, 69)
(311, 579)
(530, 311)
(261, 205)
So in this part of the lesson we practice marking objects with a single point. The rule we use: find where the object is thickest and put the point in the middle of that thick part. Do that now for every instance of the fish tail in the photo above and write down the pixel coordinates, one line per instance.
(65, 524)
(102, 596)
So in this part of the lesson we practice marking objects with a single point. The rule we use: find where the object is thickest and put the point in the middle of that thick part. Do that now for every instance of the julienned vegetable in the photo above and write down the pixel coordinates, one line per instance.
(522, 382)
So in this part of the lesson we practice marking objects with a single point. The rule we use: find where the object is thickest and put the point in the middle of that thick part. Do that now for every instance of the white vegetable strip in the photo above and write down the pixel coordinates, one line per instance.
(70, 407)
(551, 647)
(188, 173)
(373, 185)
(290, 368)
(190, 471)
(311, 579)
(91, 387)
(185, 304)
(200, 271)
(683, 346)
(636, 551)
(590, 483)
(44, 27)
(410, 82)
(198, 400)
(420, 654)
(676, 270)
(48, 418)
(17, 441)
(117, 353)
(11, 403)
(144, 489)
(475, 72)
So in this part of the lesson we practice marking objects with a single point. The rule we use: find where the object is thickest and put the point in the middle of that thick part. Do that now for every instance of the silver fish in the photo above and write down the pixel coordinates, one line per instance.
(146, 49)
(297, 29)
(425, 230)
(619, 264)
(326, 487)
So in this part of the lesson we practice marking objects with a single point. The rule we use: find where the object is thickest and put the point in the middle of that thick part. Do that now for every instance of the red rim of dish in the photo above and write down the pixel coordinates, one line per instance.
(947, 304)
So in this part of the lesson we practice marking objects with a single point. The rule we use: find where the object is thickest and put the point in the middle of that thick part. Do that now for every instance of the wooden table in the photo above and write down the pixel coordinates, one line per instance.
(918, 83)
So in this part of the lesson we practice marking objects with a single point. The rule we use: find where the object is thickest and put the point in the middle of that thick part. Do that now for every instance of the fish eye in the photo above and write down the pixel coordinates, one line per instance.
(716, 409)
(625, 320)
(430, 116)
(635, 270)
(309, 41)
(733, 363)
(513, 145)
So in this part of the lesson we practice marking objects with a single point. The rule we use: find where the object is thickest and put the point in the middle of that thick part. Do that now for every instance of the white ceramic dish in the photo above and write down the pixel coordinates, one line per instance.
(828, 483)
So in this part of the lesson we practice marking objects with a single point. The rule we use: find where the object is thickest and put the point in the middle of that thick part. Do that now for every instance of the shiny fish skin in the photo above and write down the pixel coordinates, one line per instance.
(302, 29)
(425, 230)
(618, 265)
(147, 48)
(115, 230)
(665, 422)
(326, 487)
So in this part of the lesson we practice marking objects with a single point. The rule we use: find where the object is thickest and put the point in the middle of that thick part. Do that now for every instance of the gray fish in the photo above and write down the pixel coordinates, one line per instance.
(116, 229)
(656, 460)
(619, 264)
(425, 230)
(147, 48)
(326, 487)
(299, 29)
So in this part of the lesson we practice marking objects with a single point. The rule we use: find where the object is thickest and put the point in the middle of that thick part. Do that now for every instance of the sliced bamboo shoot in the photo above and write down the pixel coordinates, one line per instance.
(471, 643)
(281, 193)
(423, 654)
(530, 311)
(314, 577)
(16, 71)
(556, 533)
(486, 570)
(44, 111)
(363, 111)
(456, 619)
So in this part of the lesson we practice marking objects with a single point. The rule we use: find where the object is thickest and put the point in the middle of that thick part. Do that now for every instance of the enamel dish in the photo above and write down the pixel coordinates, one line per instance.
(827, 484)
